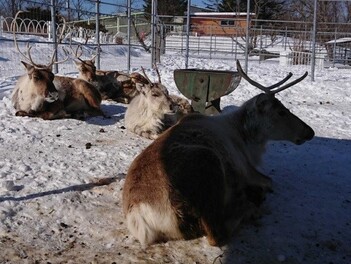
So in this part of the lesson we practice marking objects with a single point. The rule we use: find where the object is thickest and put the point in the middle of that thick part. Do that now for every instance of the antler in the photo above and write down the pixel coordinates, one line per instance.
(269, 89)
(29, 57)
(158, 73)
(52, 61)
(13, 26)
(147, 78)
(78, 55)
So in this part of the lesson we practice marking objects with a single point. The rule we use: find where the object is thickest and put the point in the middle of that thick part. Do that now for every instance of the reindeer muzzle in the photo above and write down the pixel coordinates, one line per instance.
(52, 97)
(307, 135)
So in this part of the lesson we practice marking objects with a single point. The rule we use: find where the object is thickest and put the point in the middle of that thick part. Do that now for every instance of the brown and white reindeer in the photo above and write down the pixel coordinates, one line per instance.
(200, 177)
(41, 94)
(153, 110)
(80, 98)
(35, 94)
(113, 85)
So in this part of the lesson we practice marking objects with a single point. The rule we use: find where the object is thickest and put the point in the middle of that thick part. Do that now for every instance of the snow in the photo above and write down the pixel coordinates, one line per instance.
(61, 181)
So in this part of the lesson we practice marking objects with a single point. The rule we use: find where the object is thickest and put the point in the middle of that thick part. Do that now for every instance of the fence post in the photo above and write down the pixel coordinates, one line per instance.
(153, 32)
(97, 33)
(129, 3)
(198, 45)
(261, 45)
(334, 49)
(1, 25)
(236, 45)
(49, 31)
(187, 34)
(53, 31)
(286, 38)
(210, 41)
(247, 35)
(313, 60)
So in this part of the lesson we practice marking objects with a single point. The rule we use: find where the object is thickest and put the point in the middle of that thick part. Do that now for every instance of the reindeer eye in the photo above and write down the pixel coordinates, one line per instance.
(37, 77)
(155, 94)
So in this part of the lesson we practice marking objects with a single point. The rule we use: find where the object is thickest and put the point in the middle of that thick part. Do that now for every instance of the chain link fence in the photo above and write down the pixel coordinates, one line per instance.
(120, 40)
(117, 44)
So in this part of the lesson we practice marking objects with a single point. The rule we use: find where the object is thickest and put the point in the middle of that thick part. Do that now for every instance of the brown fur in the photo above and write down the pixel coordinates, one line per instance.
(112, 85)
(36, 96)
(199, 177)
(80, 98)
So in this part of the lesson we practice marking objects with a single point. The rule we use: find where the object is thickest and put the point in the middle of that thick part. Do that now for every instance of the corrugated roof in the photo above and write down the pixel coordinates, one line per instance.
(340, 40)
(220, 14)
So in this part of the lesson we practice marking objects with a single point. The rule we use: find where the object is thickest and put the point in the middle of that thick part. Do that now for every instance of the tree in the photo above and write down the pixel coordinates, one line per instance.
(166, 7)
(36, 13)
(264, 9)
(81, 8)
(212, 4)
(8, 8)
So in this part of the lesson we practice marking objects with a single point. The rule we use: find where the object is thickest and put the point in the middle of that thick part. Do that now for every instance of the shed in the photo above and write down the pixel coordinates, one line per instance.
(340, 50)
(219, 23)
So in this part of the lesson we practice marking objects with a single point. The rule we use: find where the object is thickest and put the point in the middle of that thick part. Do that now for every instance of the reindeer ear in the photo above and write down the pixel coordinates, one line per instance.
(77, 63)
(28, 66)
(262, 102)
(140, 87)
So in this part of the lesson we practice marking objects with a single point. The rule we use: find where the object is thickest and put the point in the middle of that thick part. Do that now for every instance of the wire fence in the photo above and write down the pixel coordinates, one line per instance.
(120, 40)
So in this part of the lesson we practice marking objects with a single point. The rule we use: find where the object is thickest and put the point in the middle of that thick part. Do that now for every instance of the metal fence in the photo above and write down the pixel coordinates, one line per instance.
(287, 41)
(116, 44)
(127, 35)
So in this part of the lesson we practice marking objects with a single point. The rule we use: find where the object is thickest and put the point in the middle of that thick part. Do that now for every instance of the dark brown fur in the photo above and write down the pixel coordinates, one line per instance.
(199, 177)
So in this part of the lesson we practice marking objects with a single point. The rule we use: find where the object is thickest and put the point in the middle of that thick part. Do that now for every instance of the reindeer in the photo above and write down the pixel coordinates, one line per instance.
(35, 94)
(200, 176)
(112, 85)
(41, 94)
(153, 110)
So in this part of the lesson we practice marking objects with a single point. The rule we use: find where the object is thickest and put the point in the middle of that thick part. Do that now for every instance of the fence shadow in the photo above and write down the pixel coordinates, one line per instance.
(308, 219)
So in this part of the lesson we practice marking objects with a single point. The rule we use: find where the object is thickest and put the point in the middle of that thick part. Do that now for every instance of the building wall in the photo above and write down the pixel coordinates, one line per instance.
(219, 26)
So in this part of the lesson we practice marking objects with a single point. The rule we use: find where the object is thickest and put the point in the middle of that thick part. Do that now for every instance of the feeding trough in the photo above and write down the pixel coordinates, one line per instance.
(206, 87)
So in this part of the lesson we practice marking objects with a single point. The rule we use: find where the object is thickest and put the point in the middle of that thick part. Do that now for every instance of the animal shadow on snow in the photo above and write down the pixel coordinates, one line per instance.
(306, 218)
(114, 113)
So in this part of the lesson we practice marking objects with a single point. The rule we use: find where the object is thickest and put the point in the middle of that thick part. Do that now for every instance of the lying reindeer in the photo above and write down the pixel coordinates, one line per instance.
(41, 94)
(153, 110)
(112, 85)
(200, 178)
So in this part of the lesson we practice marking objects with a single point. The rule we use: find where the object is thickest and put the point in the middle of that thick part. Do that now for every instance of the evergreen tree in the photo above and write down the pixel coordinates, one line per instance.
(212, 4)
(36, 13)
(264, 9)
(166, 7)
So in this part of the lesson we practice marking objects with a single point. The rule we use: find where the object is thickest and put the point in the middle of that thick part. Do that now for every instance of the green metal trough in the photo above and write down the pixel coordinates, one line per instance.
(206, 87)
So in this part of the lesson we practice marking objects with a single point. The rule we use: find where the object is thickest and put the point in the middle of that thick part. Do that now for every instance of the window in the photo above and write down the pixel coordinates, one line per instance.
(227, 23)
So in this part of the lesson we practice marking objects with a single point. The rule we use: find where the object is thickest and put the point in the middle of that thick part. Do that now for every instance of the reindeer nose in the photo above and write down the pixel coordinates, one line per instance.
(310, 133)
(52, 97)
(306, 136)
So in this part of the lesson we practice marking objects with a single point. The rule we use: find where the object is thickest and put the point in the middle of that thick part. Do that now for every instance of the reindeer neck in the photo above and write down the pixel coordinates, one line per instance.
(250, 132)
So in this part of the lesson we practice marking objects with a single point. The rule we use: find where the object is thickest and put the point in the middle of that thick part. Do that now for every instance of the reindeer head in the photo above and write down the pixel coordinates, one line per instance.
(40, 77)
(276, 122)
(41, 81)
(156, 94)
(86, 68)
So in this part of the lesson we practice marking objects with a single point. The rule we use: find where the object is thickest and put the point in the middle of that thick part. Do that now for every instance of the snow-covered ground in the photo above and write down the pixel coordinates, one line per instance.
(61, 181)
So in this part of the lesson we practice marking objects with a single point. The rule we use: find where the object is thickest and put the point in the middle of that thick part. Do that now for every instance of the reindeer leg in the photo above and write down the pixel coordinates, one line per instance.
(257, 186)
(256, 178)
